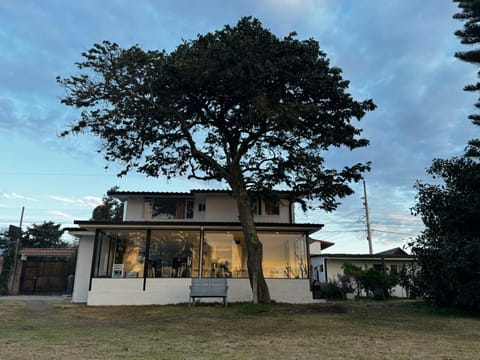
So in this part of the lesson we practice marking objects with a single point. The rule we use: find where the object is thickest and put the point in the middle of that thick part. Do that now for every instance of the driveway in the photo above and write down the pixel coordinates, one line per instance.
(35, 298)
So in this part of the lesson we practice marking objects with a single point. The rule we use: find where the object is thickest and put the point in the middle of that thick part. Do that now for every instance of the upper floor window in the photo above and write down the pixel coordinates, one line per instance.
(172, 208)
(272, 207)
(267, 207)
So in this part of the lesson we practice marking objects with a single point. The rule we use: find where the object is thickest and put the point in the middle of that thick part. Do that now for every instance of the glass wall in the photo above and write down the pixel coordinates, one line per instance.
(104, 256)
(174, 254)
(120, 253)
(284, 255)
(224, 254)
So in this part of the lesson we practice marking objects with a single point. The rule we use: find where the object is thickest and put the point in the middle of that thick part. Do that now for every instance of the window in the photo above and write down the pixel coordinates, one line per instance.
(172, 208)
(104, 256)
(267, 207)
(224, 254)
(272, 207)
(120, 247)
(284, 255)
(258, 207)
(174, 254)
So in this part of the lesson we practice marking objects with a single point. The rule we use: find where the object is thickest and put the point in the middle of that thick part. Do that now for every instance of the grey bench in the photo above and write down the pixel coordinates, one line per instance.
(208, 287)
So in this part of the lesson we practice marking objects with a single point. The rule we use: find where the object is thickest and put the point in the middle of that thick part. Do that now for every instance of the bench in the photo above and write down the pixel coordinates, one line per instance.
(208, 287)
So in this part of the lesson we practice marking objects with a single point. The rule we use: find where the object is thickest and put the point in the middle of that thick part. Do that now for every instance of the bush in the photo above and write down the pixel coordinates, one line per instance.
(378, 283)
(331, 290)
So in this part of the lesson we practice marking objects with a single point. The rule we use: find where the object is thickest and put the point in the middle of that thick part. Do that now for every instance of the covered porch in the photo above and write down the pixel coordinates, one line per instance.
(140, 263)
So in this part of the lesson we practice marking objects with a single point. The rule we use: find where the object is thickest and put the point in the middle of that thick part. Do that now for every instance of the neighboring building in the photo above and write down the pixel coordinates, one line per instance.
(165, 239)
(316, 246)
(327, 267)
(43, 271)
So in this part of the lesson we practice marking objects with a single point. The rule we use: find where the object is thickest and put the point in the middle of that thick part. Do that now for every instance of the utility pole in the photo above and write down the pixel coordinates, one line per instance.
(17, 245)
(367, 217)
(18, 235)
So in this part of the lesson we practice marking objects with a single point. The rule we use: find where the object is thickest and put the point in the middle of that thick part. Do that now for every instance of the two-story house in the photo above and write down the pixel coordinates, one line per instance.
(167, 238)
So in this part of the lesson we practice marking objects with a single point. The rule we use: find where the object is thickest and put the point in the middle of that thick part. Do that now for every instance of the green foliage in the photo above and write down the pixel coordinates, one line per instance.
(7, 250)
(407, 279)
(331, 290)
(254, 309)
(46, 235)
(238, 105)
(378, 283)
(470, 35)
(448, 251)
(111, 209)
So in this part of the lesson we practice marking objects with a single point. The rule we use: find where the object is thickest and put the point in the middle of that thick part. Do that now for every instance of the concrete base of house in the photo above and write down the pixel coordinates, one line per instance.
(163, 291)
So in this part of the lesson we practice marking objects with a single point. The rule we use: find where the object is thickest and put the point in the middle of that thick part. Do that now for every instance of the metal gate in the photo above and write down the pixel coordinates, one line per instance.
(45, 276)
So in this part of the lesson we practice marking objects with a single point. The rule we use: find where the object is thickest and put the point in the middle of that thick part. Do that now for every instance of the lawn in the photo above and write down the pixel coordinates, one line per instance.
(335, 330)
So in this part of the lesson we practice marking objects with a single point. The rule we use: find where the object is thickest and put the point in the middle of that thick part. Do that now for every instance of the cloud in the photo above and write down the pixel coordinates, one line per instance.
(85, 201)
(15, 196)
(62, 215)
(91, 201)
(63, 199)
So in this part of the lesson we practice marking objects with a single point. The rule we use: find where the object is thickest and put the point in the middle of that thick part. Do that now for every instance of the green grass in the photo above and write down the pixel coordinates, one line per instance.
(334, 330)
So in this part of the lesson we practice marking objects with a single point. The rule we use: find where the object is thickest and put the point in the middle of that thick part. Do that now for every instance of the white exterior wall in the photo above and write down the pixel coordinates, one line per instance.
(134, 208)
(199, 215)
(177, 291)
(223, 207)
(83, 269)
(219, 207)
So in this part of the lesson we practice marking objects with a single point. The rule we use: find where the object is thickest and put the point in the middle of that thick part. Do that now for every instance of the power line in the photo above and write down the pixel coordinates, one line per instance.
(393, 232)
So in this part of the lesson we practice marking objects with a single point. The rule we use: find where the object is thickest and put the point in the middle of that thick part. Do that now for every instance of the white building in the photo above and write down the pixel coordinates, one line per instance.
(165, 239)
(327, 267)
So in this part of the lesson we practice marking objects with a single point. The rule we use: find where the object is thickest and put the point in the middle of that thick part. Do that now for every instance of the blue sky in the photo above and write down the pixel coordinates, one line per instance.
(399, 53)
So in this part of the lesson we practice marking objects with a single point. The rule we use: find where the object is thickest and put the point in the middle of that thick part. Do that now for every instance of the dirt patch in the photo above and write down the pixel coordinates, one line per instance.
(310, 308)
(39, 307)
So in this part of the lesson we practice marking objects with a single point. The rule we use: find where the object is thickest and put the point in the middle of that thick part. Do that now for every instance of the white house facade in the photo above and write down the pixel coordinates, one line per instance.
(328, 267)
(166, 239)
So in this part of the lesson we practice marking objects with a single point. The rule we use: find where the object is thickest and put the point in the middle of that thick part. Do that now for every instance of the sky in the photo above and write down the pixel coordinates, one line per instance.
(399, 53)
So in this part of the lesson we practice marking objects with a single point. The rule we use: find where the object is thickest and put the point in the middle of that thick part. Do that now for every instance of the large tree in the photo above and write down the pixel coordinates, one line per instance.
(448, 250)
(45, 235)
(238, 105)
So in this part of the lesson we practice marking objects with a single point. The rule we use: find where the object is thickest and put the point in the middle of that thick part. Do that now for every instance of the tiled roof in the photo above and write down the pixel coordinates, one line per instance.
(174, 193)
(48, 251)
(393, 252)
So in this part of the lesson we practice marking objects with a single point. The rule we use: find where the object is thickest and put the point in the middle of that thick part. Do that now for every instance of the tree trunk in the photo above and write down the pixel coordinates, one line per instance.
(260, 291)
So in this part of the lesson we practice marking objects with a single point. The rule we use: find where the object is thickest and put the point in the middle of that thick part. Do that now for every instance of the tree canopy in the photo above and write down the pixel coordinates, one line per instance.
(7, 252)
(238, 105)
(46, 235)
(109, 209)
(448, 250)
(470, 35)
